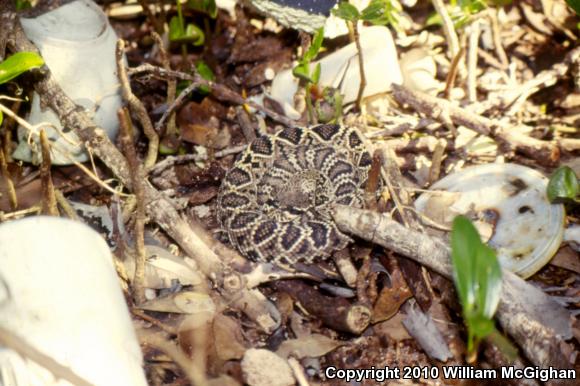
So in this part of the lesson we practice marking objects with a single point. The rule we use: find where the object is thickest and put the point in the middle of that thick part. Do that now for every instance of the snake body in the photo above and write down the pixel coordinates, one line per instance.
(274, 203)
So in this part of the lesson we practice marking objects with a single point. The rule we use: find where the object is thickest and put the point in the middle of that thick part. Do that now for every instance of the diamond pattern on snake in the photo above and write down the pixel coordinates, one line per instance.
(274, 203)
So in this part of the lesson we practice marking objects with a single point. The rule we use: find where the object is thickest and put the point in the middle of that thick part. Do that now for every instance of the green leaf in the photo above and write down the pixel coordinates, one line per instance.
(316, 74)
(175, 29)
(505, 346)
(206, 73)
(480, 326)
(575, 5)
(22, 5)
(191, 34)
(434, 19)
(1, 118)
(315, 46)
(472, 6)
(204, 70)
(17, 64)
(477, 276)
(563, 185)
(464, 241)
(346, 11)
(374, 11)
(302, 71)
(488, 281)
(206, 6)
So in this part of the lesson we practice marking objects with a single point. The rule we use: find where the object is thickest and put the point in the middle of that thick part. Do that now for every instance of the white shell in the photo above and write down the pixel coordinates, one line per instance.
(508, 205)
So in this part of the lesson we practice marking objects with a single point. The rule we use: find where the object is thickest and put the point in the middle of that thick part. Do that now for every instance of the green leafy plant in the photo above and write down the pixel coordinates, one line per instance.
(206, 73)
(378, 12)
(182, 32)
(17, 64)
(22, 4)
(206, 6)
(575, 5)
(462, 11)
(563, 186)
(303, 71)
(477, 277)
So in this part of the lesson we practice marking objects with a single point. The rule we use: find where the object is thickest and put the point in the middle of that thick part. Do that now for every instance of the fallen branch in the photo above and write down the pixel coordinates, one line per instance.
(544, 152)
(537, 323)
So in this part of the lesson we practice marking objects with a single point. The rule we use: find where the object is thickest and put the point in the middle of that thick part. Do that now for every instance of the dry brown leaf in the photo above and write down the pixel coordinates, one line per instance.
(391, 298)
(229, 343)
(312, 346)
(187, 302)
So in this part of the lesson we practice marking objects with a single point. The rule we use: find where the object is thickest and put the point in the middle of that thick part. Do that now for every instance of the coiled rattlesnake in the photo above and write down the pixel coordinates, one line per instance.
(274, 202)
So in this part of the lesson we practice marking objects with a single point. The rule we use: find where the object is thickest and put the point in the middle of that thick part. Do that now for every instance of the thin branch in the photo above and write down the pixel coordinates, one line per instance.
(474, 32)
(363, 79)
(171, 87)
(137, 180)
(48, 196)
(543, 151)
(14, 342)
(8, 181)
(448, 28)
(137, 107)
(219, 91)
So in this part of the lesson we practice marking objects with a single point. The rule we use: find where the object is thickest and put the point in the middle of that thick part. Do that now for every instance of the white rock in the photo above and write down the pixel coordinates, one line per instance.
(265, 368)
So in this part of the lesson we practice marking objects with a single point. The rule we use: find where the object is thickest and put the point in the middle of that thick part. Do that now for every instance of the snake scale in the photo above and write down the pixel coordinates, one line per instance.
(274, 203)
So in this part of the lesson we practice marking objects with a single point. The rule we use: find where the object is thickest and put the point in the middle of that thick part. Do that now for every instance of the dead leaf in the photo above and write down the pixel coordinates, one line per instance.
(229, 342)
(186, 302)
(391, 298)
(312, 346)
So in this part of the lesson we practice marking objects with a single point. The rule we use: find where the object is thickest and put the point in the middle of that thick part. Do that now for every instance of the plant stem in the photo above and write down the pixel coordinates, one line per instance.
(311, 118)
(363, 80)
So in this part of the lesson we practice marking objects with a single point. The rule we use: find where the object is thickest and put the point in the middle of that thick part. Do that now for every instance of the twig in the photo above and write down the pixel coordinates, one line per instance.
(514, 98)
(448, 29)
(438, 153)
(193, 373)
(363, 282)
(137, 180)
(363, 79)
(9, 124)
(219, 91)
(337, 313)
(171, 87)
(64, 204)
(155, 22)
(544, 152)
(8, 181)
(474, 31)
(10, 340)
(500, 52)
(175, 104)
(137, 107)
(229, 151)
(48, 197)
(245, 124)
(452, 74)
(298, 372)
(20, 213)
